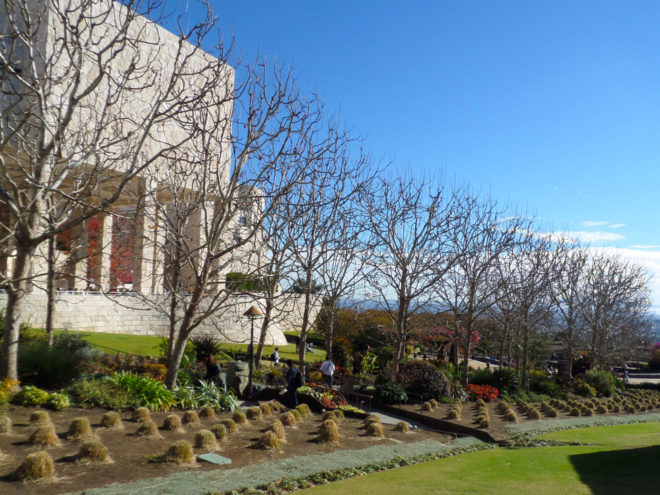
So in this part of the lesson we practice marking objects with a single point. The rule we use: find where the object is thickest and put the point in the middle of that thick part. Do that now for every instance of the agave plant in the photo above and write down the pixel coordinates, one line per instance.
(145, 391)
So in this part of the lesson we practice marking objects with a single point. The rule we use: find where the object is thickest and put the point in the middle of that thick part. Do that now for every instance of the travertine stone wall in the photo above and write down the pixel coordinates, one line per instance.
(94, 312)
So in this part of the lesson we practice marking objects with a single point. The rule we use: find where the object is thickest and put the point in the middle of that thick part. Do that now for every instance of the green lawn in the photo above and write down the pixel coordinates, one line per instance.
(144, 345)
(623, 460)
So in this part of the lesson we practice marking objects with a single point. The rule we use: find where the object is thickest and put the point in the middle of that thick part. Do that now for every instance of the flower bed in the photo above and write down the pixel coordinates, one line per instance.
(483, 392)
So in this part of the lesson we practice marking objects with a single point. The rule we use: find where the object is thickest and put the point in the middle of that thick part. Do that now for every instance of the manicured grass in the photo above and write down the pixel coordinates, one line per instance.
(146, 345)
(623, 459)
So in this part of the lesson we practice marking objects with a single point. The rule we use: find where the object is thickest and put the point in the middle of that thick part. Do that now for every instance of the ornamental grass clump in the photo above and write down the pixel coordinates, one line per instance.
(239, 417)
(254, 413)
(148, 430)
(38, 418)
(79, 429)
(304, 410)
(548, 410)
(219, 430)
(5, 424)
(190, 418)
(574, 411)
(372, 418)
(455, 411)
(207, 412)
(266, 410)
(278, 428)
(427, 407)
(329, 432)
(141, 415)
(205, 439)
(35, 466)
(230, 425)
(296, 414)
(269, 441)
(434, 403)
(172, 422)
(374, 430)
(330, 415)
(601, 409)
(288, 419)
(44, 436)
(93, 451)
(402, 426)
(180, 452)
(112, 420)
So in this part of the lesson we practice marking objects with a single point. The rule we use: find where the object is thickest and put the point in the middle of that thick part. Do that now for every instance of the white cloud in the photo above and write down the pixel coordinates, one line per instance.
(589, 237)
(594, 223)
(645, 246)
(617, 225)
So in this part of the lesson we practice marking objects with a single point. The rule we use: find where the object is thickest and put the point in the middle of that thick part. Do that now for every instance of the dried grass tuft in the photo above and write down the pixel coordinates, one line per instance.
(39, 418)
(375, 430)
(172, 422)
(230, 425)
(219, 430)
(141, 415)
(329, 432)
(79, 429)
(190, 418)
(296, 414)
(266, 409)
(288, 419)
(180, 452)
(434, 403)
(5, 424)
(427, 407)
(205, 439)
(94, 451)
(269, 441)
(207, 412)
(254, 413)
(304, 410)
(112, 420)
(239, 417)
(402, 426)
(44, 436)
(35, 466)
(278, 428)
(148, 430)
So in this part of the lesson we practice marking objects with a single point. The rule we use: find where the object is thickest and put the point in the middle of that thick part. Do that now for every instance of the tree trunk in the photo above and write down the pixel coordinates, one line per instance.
(50, 290)
(15, 298)
(264, 331)
(175, 362)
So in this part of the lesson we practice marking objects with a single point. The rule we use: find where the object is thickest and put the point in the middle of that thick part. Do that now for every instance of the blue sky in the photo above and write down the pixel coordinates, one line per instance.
(549, 106)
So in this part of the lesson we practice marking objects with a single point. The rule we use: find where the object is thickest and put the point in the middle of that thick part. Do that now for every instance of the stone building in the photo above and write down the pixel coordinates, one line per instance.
(111, 270)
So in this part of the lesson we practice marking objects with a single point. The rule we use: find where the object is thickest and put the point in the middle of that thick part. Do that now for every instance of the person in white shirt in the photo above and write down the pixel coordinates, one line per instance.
(327, 370)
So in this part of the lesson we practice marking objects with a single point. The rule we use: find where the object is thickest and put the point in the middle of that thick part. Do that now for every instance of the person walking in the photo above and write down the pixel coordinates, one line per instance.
(294, 380)
(276, 356)
(328, 370)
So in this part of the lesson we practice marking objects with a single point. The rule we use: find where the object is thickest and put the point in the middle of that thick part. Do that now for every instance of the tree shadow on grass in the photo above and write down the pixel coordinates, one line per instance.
(618, 472)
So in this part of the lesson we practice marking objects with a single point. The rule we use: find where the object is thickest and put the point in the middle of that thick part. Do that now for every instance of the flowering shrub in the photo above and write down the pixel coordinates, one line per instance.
(483, 392)
(7, 387)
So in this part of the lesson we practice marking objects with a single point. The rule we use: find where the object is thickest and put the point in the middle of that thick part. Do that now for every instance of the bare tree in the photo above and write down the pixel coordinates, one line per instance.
(410, 252)
(91, 95)
(468, 289)
(614, 302)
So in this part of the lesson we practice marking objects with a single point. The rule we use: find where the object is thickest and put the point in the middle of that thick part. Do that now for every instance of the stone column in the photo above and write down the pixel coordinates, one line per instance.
(144, 252)
(101, 275)
(78, 257)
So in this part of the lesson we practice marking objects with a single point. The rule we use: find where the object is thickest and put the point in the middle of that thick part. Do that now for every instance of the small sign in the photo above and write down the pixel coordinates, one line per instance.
(214, 459)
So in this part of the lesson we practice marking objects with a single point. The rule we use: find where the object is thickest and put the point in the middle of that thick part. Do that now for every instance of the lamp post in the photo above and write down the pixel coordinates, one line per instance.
(252, 313)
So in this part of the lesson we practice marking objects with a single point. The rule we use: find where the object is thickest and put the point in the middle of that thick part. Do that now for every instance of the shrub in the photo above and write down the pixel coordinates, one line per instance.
(38, 418)
(190, 417)
(172, 422)
(207, 412)
(304, 410)
(239, 417)
(219, 430)
(278, 428)
(506, 380)
(93, 450)
(112, 420)
(145, 391)
(583, 388)
(31, 396)
(427, 406)
(7, 388)
(58, 401)
(481, 376)
(423, 379)
(35, 466)
(48, 366)
(230, 425)
(101, 392)
(180, 452)
(79, 429)
(265, 409)
(205, 439)
(391, 393)
(141, 415)
(269, 441)
(204, 346)
(44, 436)
(603, 381)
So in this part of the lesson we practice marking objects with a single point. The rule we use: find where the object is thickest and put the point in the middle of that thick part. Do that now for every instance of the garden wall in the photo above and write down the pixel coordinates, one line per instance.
(95, 312)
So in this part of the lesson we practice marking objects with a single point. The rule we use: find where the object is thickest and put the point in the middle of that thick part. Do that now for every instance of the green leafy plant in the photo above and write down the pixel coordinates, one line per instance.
(31, 396)
(145, 391)
(391, 393)
(603, 381)
(58, 401)
(101, 392)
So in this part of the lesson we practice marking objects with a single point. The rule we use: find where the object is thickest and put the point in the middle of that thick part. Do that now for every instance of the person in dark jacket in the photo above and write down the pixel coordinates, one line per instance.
(293, 381)
(212, 370)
